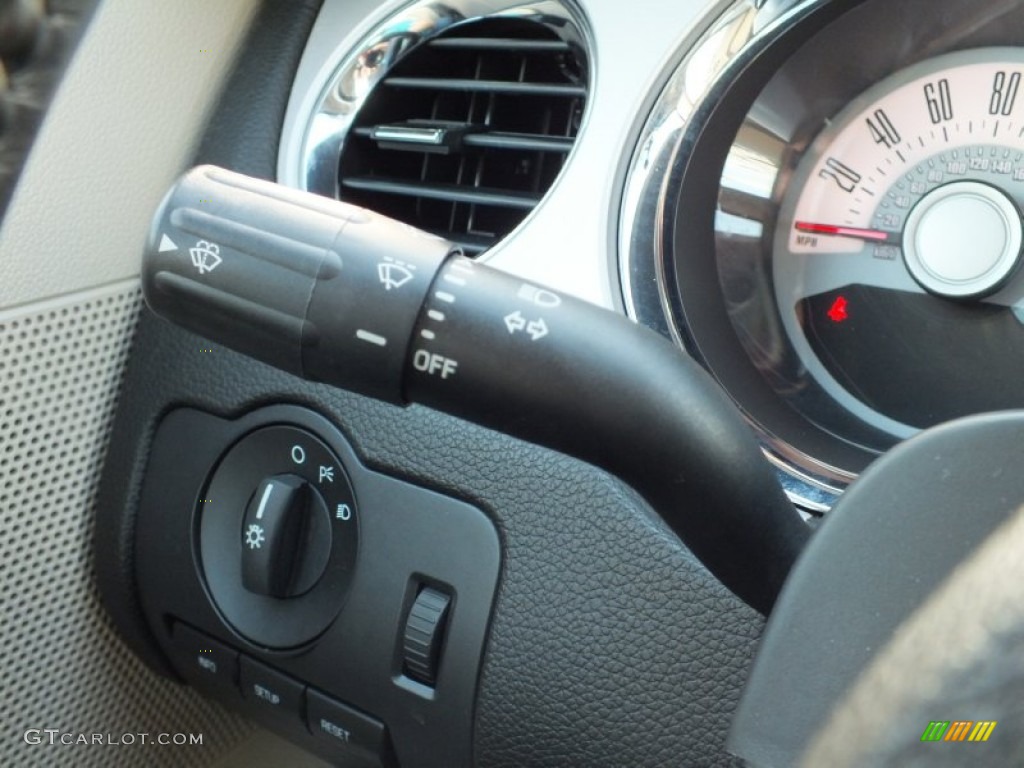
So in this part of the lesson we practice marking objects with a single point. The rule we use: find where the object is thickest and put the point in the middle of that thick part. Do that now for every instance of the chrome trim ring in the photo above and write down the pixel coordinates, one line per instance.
(728, 45)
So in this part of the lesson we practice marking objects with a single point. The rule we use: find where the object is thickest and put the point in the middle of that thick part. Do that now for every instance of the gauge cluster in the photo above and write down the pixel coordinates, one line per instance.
(840, 242)
(897, 249)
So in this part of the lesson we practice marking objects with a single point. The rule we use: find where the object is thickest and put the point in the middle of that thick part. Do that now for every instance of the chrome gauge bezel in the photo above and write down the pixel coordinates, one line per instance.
(708, 107)
(653, 188)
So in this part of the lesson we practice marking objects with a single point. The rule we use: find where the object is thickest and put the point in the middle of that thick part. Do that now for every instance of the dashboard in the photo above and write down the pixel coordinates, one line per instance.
(813, 206)
(804, 331)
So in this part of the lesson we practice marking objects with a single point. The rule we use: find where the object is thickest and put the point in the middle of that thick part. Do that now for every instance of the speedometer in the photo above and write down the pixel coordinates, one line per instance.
(854, 276)
(898, 246)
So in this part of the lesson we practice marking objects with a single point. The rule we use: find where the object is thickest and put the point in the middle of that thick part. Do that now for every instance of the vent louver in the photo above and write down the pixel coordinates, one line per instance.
(465, 134)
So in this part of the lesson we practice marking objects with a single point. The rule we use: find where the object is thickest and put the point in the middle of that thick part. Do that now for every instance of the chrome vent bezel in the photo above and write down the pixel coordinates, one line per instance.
(330, 119)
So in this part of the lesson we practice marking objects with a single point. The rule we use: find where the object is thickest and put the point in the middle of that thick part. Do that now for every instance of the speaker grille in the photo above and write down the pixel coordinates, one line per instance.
(64, 667)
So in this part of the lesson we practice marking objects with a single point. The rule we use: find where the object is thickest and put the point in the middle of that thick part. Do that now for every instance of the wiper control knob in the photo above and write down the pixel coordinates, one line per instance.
(321, 289)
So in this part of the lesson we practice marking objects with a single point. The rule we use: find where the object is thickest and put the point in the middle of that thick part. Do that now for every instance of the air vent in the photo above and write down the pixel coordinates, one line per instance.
(465, 134)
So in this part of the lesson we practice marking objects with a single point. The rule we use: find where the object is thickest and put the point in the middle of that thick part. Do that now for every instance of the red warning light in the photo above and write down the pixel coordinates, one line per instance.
(839, 312)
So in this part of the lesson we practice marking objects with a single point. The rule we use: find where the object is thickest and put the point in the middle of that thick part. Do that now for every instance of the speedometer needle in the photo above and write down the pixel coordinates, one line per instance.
(871, 235)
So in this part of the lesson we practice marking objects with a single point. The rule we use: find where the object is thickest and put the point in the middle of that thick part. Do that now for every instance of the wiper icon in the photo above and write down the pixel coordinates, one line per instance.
(205, 256)
(393, 275)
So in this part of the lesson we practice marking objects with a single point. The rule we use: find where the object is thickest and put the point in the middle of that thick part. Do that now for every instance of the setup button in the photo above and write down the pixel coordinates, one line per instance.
(268, 689)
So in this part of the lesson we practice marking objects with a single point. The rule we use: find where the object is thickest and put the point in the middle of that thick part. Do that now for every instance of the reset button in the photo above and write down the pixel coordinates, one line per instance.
(345, 727)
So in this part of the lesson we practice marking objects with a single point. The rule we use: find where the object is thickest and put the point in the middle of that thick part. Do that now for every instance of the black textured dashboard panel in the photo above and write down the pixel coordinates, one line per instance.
(610, 645)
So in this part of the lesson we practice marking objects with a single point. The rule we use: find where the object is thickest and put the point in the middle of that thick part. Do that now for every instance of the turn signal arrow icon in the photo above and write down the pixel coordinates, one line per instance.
(538, 329)
(515, 322)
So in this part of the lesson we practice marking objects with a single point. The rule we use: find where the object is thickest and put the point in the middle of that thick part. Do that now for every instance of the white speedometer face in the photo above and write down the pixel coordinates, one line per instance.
(897, 252)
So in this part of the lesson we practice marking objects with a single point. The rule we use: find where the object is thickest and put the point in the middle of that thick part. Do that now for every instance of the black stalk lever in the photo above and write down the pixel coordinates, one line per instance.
(338, 294)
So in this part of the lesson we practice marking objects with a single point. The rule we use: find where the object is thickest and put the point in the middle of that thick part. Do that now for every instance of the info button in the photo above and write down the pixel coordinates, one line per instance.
(347, 728)
(203, 661)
